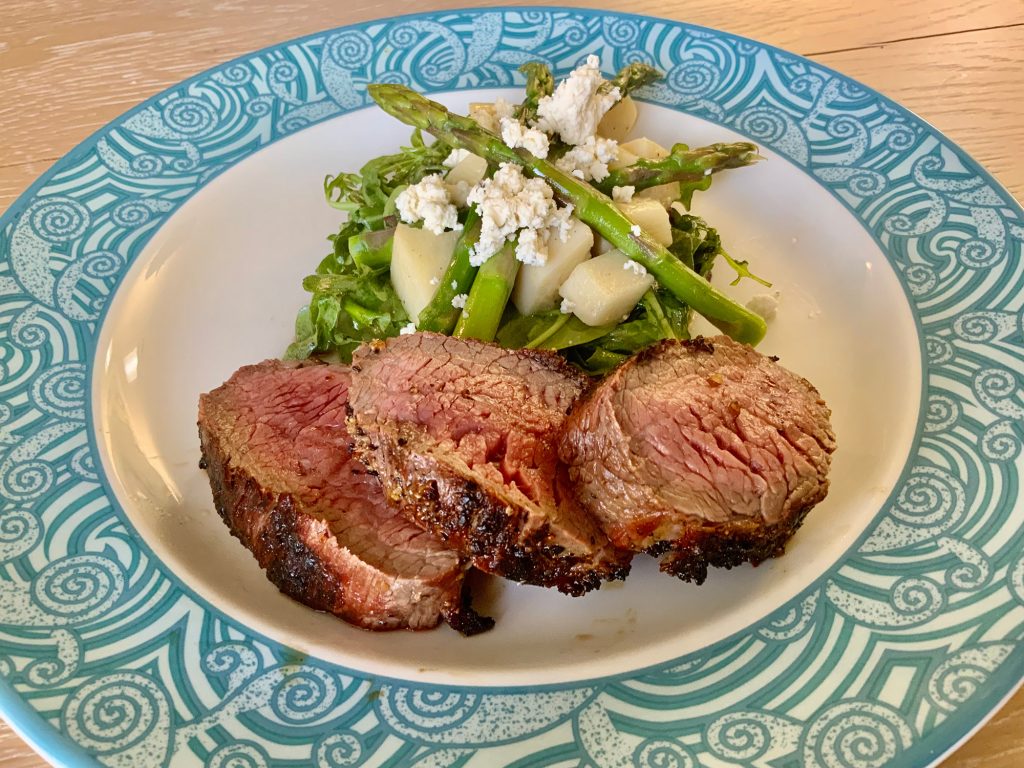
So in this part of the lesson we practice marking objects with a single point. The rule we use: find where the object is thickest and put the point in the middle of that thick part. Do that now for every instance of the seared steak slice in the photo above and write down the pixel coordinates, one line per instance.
(464, 435)
(703, 451)
(284, 480)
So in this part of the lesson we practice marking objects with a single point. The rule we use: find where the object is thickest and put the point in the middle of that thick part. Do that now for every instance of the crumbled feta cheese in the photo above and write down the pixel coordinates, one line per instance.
(635, 267)
(455, 157)
(567, 307)
(623, 194)
(459, 300)
(764, 304)
(509, 202)
(407, 329)
(435, 281)
(531, 248)
(455, 285)
(635, 229)
(428, 201)
(590, 158)
(578, 104)
(515, 134)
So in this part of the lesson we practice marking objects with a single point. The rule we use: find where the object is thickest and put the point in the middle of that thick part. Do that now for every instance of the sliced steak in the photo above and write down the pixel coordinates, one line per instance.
(464, 435)
(279, 459)
(703, 451)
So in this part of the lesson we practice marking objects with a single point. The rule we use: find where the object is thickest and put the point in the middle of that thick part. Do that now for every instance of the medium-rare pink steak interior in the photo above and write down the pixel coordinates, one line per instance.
(463, 435)
(284, 479)
(703, 451)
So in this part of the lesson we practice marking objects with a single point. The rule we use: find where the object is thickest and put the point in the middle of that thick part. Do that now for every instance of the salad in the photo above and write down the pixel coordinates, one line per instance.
(536, 225)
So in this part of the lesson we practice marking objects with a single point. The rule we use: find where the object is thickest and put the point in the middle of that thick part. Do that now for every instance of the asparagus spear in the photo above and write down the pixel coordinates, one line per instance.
(440, 315)
(591, 206)
(633, 76)
(682, 164)
(539, 83)
(489, 295)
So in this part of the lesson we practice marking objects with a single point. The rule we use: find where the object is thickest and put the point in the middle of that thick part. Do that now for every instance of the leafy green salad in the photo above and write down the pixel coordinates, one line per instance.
(540, 225)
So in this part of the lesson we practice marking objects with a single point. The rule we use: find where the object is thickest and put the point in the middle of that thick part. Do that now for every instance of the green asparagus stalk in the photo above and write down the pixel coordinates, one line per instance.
(489, 295)
(591, 206)
(440, 315)
(682, 164)
(633, 76)
(539, 83)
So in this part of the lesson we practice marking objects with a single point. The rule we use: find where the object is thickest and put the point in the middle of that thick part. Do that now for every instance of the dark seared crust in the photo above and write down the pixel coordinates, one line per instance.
(686, 542)
(417, 397)
(299, 550)
(725, 546)
(289, 563)
(474, 520)
(280, 547)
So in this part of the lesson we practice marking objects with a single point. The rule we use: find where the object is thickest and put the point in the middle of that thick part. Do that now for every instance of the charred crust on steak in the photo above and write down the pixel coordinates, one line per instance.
(724, 546)
(701, 452)
(288, 563)
(321, 530)
(464, 619)
(463, 435)
(483, 526)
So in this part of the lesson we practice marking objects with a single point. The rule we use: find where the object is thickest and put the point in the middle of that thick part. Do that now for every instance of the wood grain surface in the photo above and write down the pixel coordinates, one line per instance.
(68, 68)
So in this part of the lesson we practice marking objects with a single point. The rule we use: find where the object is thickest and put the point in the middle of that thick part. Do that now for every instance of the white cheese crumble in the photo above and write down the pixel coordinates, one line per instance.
(459, 300)
(455, 157)
(635, 267)
(765, 304)
(428, 201)
(623, 194)
(508, 203)
(407, 329)
(567, 307)
(515, 134)
(455, 285)
(589, 159)
(435, 281)
(578, 104)
(635, 229)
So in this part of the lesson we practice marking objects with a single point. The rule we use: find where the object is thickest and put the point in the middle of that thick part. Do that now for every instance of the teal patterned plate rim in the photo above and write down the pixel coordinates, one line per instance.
(940, 618)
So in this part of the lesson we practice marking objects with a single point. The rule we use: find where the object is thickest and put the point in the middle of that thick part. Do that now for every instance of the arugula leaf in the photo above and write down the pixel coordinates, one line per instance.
(349, 304)
(548, 330)
(366, 195)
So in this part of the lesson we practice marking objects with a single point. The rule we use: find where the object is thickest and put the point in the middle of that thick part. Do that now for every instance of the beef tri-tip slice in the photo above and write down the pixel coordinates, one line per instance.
(284, 480)
(464, 437)
(704, 452)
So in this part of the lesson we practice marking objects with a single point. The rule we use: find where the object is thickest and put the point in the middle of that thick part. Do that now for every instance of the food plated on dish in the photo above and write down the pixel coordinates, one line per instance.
(508, 381)
(191, 240)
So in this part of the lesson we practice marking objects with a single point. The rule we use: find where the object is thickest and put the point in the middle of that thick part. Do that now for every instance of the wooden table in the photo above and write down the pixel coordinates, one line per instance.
(68, 68)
